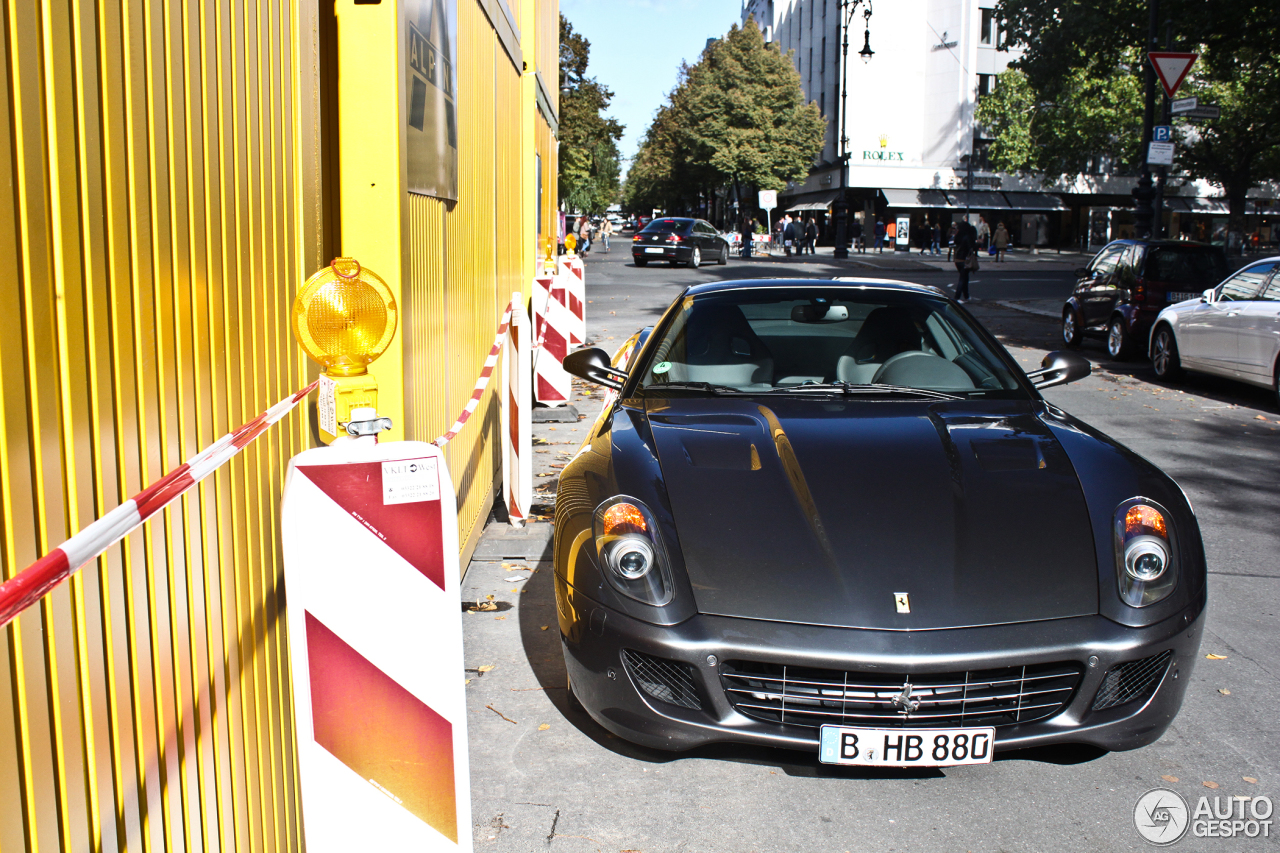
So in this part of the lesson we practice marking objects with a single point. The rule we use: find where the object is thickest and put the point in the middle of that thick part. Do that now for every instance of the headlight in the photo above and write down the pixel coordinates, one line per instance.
(630, 550)
(1145, 563)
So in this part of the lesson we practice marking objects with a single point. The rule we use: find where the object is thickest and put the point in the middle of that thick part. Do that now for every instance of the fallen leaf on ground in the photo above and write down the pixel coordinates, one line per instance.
(486, 668)
(544, 627)
(544, 727)
(1210, 784)
(468, 681)
(1216, 657)
(1259, 418)
(514, 723)
(1224, 691)
(1250, 780)
(1169, 778)
(499, 618)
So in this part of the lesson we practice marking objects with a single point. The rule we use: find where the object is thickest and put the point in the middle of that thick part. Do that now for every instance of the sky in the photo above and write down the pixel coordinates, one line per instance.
(637, 47)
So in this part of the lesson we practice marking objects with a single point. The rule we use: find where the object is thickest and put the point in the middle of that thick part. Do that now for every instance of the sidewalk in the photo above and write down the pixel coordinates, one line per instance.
(1015, 259)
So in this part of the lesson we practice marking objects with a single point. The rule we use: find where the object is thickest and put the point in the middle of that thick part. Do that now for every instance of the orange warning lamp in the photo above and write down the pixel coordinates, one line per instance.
(345, 316)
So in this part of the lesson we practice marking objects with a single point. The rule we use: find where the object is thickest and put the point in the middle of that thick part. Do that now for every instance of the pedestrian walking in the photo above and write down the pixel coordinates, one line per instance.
(935, 239)
(984, 233)
(790, 236)
(966, 258)
(1002, 241)
(951, 238)
(584, 235)
(606, 231)
(777, 232)
(748, 234)
(855, 234)
(811, 235)
(879, 235)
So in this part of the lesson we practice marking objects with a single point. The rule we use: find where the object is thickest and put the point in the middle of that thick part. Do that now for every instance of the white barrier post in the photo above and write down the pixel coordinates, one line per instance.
(517, 416)
(572, 275)
(551, 320)
(370, 536)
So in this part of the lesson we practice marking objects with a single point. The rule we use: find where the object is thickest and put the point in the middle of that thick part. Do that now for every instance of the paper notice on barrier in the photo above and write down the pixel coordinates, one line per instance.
(327, 405)
(410, 481)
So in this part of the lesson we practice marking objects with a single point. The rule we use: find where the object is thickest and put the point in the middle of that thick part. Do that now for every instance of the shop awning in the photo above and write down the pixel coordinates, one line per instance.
(813, 201)
(1176, 204)
(1206, 205)
(1034, 201)
(1264, 206)
(978, 198)
(915, 198)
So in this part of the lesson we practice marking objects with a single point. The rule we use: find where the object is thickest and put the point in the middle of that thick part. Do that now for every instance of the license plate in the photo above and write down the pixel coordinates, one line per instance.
(654, 251)
(1182, 297)
(905, 747)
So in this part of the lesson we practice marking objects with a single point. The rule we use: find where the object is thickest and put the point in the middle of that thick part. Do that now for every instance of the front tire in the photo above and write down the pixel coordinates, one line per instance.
(640, 262)
(1164, 355)
(1119, 341)
(724, 256)
(1072, 332)
(695, 259)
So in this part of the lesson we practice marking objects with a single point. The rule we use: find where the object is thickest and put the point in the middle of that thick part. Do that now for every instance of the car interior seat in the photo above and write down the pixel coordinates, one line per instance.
(722, 348)
(887, 331)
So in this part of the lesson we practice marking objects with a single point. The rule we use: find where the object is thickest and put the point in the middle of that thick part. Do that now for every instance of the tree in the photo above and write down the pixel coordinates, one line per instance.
(737, 117)
(1079, 97)
(588, 163)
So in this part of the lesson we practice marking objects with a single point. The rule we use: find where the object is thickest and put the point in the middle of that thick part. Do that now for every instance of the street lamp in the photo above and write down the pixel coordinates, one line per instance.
(841, 212)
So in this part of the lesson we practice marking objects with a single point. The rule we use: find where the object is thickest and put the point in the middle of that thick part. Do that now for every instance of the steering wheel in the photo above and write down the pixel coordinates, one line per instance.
(894, 359)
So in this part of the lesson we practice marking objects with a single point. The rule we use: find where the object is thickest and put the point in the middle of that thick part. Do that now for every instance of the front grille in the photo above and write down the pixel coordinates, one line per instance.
(667, 680)
(801, 696)
(1128, 682)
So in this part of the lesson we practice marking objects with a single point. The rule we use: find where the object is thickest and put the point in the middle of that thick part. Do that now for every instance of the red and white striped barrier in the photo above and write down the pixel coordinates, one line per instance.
(571, 276)
(517, 416)
(551, 322)
(32, 583)
(483, 382)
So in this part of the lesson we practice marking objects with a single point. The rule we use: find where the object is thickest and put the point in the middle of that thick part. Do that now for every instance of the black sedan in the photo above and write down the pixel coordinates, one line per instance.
(679, 240)
(837, 516)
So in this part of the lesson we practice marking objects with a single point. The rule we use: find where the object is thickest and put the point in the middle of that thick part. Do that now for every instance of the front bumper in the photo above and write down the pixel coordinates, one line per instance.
(595, 636)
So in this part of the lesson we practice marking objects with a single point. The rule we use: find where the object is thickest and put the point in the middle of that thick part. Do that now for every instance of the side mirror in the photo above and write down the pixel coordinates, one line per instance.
(1059, 368)
(593, 366)
(1210, 295)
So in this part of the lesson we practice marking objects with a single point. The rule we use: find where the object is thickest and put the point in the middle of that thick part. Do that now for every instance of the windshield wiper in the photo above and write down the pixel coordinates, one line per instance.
(850, 388)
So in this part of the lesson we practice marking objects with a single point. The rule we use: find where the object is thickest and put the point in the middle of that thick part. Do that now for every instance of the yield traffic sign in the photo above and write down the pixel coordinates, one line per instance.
(1172, 68)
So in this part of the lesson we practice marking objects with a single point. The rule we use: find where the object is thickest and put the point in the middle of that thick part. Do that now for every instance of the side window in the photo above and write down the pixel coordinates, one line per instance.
(1137, 254)
(1272, 292)
(1245, 284)
(1107, 260)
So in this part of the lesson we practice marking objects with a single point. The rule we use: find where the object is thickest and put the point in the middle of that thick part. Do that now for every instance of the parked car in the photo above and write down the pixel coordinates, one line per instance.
(1129, 282)
(1232, 330)
(679, 240)
(836, 516)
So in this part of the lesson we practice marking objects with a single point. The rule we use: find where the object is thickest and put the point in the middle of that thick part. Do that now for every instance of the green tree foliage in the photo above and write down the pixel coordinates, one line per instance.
(737, 117)
(589, 168)
(1075, 99)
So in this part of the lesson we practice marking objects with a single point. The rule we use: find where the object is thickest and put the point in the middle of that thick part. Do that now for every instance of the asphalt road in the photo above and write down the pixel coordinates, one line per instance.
(545, 777)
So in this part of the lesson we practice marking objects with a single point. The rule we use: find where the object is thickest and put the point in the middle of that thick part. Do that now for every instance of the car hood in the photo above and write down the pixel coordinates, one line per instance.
(823, 511)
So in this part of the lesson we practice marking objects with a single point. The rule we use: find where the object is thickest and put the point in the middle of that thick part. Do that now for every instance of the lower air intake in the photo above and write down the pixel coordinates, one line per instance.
(1131, 681)
(667, 680)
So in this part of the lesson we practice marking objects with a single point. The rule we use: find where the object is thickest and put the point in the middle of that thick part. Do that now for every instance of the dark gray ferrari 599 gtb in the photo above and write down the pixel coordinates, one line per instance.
(837, 516)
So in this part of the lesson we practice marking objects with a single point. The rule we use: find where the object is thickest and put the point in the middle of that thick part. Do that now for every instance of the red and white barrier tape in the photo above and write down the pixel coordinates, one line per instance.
(481, 383)
(33, 582)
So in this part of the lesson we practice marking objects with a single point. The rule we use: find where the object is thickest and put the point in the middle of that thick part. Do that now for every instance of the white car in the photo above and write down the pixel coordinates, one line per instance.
(1233, 330)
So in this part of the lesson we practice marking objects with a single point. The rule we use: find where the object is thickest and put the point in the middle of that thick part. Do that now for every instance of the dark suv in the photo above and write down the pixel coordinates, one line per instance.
(679, 240)
(1128, 283)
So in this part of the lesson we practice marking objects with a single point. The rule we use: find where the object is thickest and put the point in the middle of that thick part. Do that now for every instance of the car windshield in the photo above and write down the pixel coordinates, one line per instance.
(1186, 265)
(666, 226)
(831, 340)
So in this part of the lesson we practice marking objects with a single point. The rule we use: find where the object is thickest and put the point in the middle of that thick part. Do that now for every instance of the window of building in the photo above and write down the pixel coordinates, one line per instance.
(822, 103)
(988, 30)
(986, 84)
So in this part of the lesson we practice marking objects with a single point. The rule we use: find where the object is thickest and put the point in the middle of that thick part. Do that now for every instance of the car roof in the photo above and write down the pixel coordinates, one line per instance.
(1163, 244)
(826, 283)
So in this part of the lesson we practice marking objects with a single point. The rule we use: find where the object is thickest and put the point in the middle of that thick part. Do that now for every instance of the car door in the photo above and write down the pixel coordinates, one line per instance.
(1260, 326)
(1097, 291)
(1210, 335)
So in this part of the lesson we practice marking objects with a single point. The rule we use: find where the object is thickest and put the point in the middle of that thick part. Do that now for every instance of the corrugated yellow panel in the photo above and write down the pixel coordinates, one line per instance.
(153, 227)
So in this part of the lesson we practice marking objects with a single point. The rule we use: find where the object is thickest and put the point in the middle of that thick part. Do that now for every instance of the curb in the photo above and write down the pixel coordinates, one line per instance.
(1026, 309)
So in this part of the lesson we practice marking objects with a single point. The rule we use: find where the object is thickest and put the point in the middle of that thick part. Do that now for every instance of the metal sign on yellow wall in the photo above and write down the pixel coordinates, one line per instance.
(431, 113)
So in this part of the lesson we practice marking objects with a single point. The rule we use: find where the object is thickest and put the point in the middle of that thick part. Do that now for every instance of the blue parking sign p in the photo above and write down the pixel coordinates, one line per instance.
(1162, 133)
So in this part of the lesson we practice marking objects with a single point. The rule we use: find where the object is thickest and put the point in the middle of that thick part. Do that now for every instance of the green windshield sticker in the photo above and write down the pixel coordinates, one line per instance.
(662, 367)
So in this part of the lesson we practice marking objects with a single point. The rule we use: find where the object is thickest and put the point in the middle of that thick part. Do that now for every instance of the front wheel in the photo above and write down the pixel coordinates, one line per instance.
(1072, 333)
(641, 261)
(1164, 354)
(1119, 341)
(695, 259)
(724, 256)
